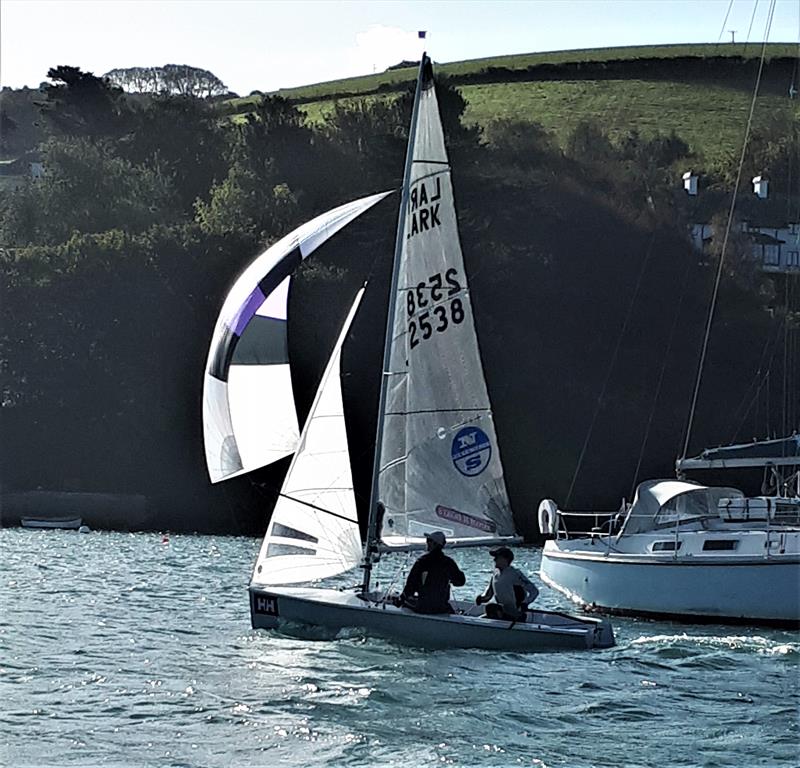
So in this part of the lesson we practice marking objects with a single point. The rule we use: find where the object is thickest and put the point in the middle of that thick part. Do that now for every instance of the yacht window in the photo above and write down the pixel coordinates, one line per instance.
(787, 513)
(687, 507)
(719, 545)
(666, 546)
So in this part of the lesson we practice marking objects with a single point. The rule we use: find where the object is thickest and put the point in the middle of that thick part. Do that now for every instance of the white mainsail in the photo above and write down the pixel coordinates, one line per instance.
(439, 462)
(249, 417)
(313, 532)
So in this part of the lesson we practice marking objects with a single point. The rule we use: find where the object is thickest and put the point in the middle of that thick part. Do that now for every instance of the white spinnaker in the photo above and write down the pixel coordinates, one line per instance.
(439, 465)
(313, 532)
(249, 418)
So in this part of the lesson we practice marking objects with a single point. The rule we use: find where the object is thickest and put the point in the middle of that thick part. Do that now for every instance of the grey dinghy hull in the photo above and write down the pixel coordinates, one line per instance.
(53, 523)
(543, 631)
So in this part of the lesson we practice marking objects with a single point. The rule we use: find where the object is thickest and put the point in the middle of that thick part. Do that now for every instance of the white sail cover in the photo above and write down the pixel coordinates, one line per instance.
(313, 532)
(439, 466)
(249, 417)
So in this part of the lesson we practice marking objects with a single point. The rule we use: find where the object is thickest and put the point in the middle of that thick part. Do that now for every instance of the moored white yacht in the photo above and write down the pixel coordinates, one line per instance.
(687, 551)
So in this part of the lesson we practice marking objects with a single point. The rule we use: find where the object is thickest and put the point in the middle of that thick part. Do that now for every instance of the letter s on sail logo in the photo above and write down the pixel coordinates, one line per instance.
(471, 451)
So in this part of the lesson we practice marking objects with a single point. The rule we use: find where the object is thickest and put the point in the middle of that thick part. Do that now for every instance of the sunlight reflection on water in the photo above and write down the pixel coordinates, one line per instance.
(121, 649)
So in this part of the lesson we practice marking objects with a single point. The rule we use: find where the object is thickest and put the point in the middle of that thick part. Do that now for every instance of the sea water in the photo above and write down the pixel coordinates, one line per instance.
(136, 650)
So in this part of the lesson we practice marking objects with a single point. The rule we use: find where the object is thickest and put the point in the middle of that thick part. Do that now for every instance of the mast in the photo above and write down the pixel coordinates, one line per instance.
(425, 71)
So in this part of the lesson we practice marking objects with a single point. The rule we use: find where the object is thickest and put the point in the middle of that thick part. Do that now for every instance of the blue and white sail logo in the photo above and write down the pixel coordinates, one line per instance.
(471, 451)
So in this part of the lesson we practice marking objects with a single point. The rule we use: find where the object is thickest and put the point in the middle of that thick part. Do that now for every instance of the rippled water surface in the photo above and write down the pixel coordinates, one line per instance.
(134, 650)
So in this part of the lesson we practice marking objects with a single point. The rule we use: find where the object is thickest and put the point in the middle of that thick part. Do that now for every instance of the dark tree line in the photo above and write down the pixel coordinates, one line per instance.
(173, 79)
(115, 264)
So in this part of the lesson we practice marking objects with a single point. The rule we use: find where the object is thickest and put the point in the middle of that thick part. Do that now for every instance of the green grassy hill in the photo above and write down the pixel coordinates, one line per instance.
(702, 92)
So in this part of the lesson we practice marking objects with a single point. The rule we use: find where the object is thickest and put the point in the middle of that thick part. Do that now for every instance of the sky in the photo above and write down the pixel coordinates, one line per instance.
(270, 44)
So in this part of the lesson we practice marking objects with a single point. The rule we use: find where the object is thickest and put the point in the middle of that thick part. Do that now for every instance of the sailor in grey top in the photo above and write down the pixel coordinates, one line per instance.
(509, 591)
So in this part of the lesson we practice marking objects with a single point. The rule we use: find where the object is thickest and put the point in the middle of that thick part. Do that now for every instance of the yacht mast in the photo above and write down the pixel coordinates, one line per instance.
(373, 532)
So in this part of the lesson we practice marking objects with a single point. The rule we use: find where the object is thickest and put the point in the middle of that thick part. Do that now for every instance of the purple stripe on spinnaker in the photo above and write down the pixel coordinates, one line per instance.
(248, 309)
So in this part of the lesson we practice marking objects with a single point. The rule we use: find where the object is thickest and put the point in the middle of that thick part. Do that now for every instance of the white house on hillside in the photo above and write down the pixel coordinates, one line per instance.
(777, 249)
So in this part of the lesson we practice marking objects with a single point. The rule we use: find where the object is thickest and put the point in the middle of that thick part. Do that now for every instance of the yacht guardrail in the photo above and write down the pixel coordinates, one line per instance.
(597, 532)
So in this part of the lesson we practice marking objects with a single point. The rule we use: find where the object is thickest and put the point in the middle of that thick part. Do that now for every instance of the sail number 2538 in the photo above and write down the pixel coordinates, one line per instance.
(425, 312)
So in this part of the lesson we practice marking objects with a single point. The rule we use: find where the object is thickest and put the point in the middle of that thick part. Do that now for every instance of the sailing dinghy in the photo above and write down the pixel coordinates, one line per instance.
(437, 462)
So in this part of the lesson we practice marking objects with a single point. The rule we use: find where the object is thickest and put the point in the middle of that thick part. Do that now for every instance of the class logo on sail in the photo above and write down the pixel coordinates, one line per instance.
(471, 451)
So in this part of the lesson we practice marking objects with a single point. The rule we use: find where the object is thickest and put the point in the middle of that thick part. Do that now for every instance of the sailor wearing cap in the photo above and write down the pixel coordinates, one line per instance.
(427, 588)
(509, 591)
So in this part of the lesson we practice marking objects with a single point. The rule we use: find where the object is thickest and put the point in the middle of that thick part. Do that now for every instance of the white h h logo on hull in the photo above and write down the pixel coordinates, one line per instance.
(266, 604)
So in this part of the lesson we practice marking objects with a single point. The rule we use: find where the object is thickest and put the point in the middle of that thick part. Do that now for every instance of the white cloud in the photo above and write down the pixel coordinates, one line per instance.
(379, 47)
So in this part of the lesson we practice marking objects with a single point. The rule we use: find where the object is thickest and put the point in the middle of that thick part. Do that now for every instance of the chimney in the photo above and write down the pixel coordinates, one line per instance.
(690, 183)
(761, 187)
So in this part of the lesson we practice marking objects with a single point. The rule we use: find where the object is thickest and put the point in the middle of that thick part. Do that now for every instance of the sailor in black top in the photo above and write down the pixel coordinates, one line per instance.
(427, 588)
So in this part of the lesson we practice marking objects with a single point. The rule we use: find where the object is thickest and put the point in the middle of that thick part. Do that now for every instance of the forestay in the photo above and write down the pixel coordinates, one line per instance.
(313, 532)
(439, 462)
(249, 417)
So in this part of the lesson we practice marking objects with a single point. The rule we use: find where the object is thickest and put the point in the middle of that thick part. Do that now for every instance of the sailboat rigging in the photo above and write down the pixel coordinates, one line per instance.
(685, 550)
